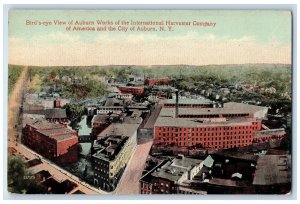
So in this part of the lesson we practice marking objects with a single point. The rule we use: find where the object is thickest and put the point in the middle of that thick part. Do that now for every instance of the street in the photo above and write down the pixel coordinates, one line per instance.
(129, 183)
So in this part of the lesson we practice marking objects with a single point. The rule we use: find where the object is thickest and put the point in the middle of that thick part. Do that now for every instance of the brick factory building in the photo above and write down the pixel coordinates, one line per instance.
(231, 126)
(53, 141)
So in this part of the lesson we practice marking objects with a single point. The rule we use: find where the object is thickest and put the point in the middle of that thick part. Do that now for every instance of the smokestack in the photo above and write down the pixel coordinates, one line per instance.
(57, 103)
(177, 101)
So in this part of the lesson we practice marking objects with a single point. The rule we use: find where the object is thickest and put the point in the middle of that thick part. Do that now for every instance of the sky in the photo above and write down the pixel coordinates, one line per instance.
(238, 37)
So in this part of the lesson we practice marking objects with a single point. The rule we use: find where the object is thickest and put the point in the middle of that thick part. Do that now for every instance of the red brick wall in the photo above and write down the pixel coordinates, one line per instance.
(209, 137)
(63, 146)
(67, 151)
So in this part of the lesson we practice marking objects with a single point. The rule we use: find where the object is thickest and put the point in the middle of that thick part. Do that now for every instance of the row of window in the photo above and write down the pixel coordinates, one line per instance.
(204, 129)
(101, 177)
(100, 163)
(203, 139)
(205, 134)
(206, 144)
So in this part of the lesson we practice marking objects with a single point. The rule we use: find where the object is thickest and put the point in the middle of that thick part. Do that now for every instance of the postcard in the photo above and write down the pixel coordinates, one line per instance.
(132, 102)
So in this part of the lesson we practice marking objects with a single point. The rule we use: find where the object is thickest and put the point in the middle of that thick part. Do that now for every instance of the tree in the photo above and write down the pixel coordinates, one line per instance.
(20, 180)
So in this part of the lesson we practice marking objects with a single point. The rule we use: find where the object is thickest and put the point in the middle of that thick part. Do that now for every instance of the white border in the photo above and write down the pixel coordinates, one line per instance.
(218, 4)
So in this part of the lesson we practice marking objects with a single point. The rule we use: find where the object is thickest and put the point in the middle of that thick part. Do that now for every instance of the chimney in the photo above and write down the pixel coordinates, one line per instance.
(57, 103)
(176, 105)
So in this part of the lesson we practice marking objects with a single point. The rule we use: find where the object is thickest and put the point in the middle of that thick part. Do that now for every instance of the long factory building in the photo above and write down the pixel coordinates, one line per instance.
(230, 126)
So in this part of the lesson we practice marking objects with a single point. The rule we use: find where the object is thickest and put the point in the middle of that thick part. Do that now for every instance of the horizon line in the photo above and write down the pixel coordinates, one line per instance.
(150, 65)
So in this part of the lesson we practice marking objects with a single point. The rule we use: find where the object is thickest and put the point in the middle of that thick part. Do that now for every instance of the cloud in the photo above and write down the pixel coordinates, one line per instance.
(145, 49)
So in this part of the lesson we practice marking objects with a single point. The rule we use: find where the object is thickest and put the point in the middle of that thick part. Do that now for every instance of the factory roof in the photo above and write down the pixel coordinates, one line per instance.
(124, 129)
(60, 131)
(173, 170)
(225, 182)
(236, 155)
(100, 118)
(188, 101)
(55, 113)
(229, 108)
(193, 122)
(132, 120)
(113, 102)
(264, 133)
(273, 169)
(116, 107)
(42, 124)
(64, 137)
(32, 118)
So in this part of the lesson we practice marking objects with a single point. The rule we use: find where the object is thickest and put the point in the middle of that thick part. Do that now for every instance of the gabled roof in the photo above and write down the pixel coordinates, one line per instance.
(208, 162)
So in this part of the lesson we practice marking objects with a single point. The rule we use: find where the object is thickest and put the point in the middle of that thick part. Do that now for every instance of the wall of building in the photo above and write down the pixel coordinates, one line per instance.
(101, 173)
(108, 173)
(221, 137)
(106, 110)
(67, 150)
(146, 188)
(124, 155)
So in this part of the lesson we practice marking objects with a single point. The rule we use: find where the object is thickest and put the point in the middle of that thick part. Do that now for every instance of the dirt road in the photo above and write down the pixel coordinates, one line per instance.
(14, 104)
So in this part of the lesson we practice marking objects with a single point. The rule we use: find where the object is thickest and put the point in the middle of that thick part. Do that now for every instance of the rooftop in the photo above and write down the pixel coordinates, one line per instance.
(100, 118)
(132, 120)
(55, 113)
(263, 133)
(229, 108)
(64, 137)
(42, 124)
(113, 102)
(49, 113)
(42, 174)
(188, 101)
(108, 147)
(124, 129)
(51, 132)
(236, 155)
(31, 118)
(273, 169)
(173, 170)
